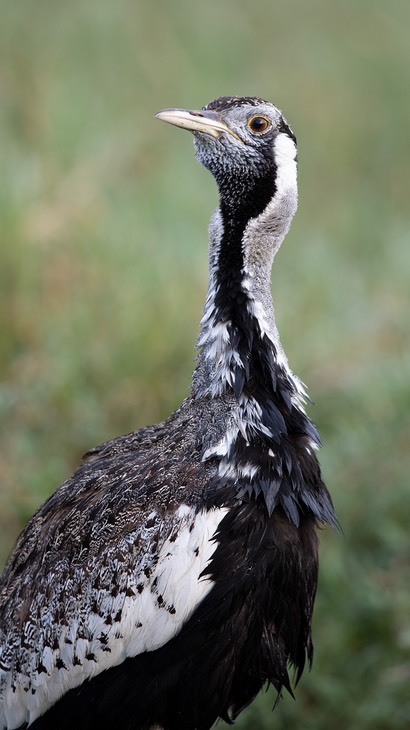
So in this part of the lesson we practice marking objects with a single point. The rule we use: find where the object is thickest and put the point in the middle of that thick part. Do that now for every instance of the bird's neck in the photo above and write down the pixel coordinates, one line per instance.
(261, 435)
(239, 345)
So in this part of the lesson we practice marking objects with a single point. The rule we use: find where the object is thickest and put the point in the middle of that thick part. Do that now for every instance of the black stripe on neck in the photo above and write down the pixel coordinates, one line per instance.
(241, 200)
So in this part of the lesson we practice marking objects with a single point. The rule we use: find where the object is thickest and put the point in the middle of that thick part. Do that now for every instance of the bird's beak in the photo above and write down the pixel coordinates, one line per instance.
(204, 121)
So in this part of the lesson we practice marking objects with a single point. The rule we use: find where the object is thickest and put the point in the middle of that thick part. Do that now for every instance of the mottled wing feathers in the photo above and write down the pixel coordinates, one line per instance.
(99, 574)
(227, 648)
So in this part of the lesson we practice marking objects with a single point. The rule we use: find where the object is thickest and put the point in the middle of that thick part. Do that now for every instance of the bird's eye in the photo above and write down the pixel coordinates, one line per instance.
(259, 125)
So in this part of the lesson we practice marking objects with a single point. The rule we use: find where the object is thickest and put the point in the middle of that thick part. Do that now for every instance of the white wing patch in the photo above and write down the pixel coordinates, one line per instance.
(140, 612)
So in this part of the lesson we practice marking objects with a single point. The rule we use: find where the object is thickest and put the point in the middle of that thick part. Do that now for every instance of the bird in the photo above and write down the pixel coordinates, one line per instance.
(174, 574)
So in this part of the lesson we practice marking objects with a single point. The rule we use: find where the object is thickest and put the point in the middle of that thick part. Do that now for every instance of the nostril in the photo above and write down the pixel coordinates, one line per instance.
(196, 114)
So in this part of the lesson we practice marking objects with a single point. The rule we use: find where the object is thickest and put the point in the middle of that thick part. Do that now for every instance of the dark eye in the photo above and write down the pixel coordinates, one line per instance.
(259, 125)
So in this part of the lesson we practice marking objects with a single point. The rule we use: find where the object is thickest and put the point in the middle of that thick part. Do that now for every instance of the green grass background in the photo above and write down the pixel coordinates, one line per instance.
(103, 217)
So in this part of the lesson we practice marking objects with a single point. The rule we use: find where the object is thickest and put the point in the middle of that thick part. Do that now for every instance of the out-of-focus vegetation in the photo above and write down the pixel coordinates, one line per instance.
(103, 216)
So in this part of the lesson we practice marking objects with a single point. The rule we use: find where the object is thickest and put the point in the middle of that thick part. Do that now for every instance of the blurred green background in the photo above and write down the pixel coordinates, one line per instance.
(103, 273)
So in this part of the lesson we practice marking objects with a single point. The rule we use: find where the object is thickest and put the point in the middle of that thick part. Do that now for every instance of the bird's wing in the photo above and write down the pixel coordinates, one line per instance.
(101, 573)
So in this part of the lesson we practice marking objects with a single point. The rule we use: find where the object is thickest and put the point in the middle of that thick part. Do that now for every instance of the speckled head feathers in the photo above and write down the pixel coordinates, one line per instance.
(225, 102)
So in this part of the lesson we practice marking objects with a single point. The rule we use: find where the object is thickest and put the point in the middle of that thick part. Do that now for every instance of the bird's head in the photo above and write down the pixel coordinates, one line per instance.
(241, 139)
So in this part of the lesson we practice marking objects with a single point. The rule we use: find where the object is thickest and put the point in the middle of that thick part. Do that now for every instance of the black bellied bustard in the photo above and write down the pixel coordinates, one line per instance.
(175, 572)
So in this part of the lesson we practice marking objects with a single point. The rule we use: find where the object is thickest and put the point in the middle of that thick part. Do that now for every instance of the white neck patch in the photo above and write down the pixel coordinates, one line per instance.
(285, 157)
